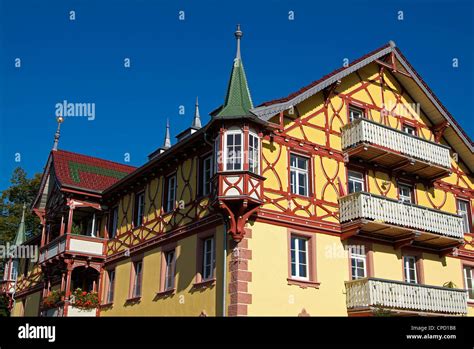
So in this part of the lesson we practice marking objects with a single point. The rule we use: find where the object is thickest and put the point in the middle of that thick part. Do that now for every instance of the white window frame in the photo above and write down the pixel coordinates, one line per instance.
(171, 184)
(407, 268)
(208, 258)
(464, 213)
(295, 186)
(170, 259)
(111, 287)
(352, 177)
(352, 109)
(295, 255)
(358, 257)
(236, 156)
(254, 154)
(404, 198)
(469, 269)
(140, 197)
(206, 184)
(138, 279)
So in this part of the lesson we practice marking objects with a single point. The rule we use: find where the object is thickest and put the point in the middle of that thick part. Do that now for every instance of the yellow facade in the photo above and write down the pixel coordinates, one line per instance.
(256, 280)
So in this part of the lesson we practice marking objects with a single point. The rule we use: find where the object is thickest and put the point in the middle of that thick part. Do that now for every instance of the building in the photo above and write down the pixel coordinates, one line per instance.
(350, 197)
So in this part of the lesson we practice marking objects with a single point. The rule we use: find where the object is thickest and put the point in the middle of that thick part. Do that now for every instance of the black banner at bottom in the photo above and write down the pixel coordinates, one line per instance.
(376, 332)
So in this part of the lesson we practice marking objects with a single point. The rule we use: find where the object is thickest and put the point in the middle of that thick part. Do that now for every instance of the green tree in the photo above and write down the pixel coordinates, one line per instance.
(22, 191)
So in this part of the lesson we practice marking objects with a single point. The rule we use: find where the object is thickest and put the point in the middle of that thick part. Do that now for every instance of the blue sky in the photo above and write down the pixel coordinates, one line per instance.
(173, 61)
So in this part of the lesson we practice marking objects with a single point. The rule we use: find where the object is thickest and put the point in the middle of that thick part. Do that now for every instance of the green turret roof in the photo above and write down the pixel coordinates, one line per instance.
(237, 101)
(21, 233)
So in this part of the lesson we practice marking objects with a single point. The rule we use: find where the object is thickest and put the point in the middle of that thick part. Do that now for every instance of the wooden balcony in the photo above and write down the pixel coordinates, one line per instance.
(76, 245)
(370, 295)
(401, 223)
(395, 150)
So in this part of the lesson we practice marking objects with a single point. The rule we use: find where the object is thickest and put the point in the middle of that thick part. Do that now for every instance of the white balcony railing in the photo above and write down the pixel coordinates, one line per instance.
(366, 131)
(71, 243)
(387, 294)
(381, 209)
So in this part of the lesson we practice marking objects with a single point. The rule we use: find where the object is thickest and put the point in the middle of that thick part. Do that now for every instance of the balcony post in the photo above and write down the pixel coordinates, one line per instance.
(43, 234)
(61, 232)
(69, 221)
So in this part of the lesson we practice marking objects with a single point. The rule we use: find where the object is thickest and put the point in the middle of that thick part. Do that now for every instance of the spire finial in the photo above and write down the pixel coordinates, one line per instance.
(238, 34)
(197, 117)
(167, 142)
(59, 120)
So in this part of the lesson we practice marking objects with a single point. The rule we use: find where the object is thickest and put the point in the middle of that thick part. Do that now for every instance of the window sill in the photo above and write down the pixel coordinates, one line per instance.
(299, 196)
(205, 283)
(106, 305)
(166, 293)
(134, 300)
(303, 283)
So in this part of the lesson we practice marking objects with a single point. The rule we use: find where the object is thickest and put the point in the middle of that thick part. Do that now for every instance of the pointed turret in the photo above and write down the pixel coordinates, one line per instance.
(21, 233)
(237, 101)
(196, 125)
(166, 143)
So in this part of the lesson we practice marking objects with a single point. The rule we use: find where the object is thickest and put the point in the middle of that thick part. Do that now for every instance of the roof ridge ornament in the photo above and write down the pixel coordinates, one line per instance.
(197, 117)
(167, 141)
(59, 120)
(238, 34)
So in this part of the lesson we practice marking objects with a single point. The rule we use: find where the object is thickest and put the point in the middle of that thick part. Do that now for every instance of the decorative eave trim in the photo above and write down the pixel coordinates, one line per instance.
(266, 112)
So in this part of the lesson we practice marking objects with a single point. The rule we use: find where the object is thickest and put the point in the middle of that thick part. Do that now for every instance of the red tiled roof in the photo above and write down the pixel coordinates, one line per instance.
(87, 172)
(314, 83)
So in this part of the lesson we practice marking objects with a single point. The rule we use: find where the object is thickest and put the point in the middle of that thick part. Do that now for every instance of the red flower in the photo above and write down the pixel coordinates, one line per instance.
(84, 293)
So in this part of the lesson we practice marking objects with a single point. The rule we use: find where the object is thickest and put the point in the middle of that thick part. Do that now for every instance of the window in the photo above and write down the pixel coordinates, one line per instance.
(208, 259)
(254, 153)
(139, 212)
(14, 271)
(137, 280)
(406, 193)
(355, 113)
(233, 151)
(356, 182)
(409, 129)
(468, 273)
(111, 286)
(169, 270)
(26, 267)
(464, 212)
(113, 222)
(170, 201)
(409, 267)
(358, 263)
(206, 175)
(299, 175)
(299, 258)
